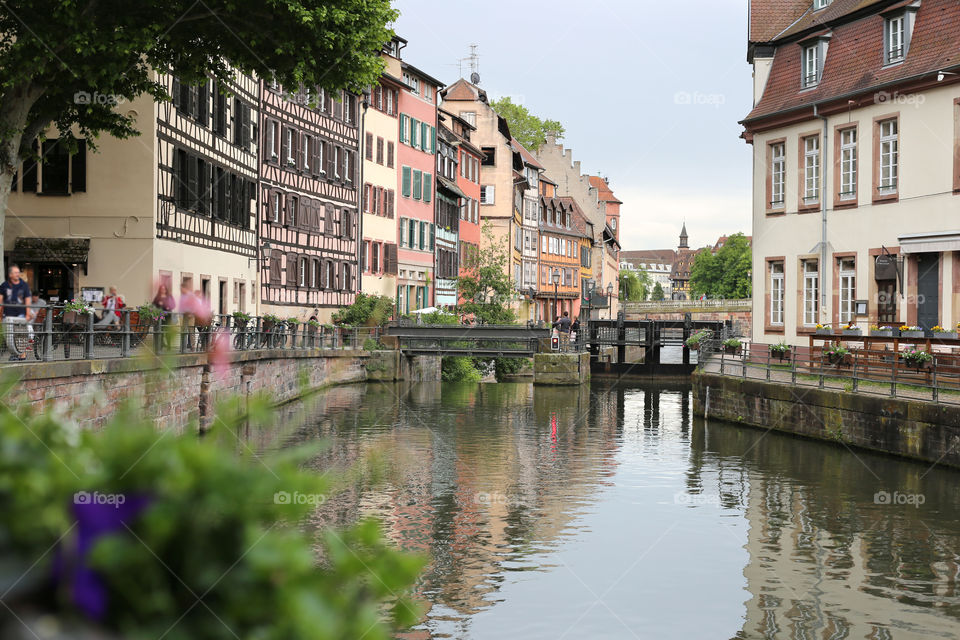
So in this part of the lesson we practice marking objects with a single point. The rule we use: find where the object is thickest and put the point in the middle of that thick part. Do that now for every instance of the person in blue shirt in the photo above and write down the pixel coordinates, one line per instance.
(16, 296)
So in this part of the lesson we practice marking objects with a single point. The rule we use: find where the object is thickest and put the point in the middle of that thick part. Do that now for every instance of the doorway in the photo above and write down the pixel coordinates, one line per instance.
(928, 290)
(54, 283)
(222, 297)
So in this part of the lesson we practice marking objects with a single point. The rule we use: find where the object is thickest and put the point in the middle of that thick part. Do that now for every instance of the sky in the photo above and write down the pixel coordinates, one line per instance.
(649, 93)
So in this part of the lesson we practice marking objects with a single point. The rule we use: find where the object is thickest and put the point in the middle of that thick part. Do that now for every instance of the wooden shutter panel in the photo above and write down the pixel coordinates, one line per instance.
(369, 149)
(390, 259)
(405, 182)
(328, 220)
(175, 93)
(275, 266)
(284, 145)
(427, 189)
(192, 190)
(343, 164)
(203, 97)
(315, 157)
(338, 108)
(403, 127)
(390, 155)
(329, 154)
(287, 208)
(291, 270)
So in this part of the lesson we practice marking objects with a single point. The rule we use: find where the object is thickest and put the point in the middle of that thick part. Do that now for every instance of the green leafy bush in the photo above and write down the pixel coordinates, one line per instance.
(190, 539)
(367, 310)
(459, 369)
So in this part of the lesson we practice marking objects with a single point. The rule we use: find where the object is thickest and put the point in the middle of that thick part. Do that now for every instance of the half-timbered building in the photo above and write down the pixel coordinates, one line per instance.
(174, 205)
(309, 177)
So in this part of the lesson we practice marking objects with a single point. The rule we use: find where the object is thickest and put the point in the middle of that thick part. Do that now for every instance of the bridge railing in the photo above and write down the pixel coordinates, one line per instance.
(56, 332)
(653, 306)
(469, 340)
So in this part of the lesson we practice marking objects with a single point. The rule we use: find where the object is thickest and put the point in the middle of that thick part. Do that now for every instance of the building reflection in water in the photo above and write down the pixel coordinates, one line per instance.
(489, 480)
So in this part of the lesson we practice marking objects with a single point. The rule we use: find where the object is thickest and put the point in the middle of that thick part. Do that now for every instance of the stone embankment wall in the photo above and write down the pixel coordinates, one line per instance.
(183, 390)
(915, 429)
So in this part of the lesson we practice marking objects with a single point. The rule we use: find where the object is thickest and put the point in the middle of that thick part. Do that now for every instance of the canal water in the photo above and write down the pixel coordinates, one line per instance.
(610, 512)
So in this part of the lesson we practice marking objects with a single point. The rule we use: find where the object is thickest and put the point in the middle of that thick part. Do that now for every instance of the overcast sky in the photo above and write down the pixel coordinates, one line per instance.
(650, 93)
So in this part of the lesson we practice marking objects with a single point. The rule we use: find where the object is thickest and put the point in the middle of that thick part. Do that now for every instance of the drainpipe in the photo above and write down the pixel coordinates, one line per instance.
(361, 155)
(823, 210)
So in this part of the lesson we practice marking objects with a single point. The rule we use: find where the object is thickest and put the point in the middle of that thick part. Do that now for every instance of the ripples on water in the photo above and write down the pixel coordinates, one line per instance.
(607, 512)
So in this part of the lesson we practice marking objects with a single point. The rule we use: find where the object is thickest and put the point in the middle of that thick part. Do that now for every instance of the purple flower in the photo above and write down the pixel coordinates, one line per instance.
(95, 519)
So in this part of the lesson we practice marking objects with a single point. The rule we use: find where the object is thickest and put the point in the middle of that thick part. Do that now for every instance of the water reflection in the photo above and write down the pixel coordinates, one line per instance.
(604, 512)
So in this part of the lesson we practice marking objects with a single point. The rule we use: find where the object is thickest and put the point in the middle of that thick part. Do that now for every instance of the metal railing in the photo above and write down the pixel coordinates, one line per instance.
(678, 305)
(869, 370)
(55, 334)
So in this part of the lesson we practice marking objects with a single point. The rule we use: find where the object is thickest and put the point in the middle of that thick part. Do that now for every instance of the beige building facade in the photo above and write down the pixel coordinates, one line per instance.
(140, 212)
(856, 184)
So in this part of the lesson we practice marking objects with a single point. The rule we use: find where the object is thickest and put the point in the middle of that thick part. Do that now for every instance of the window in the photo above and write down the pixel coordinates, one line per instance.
(305, 152)
(848, 164)
(303, 272)
(487, 193)
(390, 155)
(821, 4)
(275, 207)
(777, 174)
(489, 156)
(894, 44)
(889, 156)
(470, 117)
(776, 293)
(405, 174)
(292, 214)
(288, 146)
(55, 176)
(811, 65)
(848, 288)
(811, 293)
(273, 140)
(379, 150)
(364, 261)
(417, 184)
(811, 169)
(375, 257)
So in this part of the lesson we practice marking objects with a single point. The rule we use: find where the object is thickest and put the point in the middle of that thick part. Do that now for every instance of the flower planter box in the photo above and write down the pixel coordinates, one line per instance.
(948, 335)
(731, 350)
(917, 366)
(780, 355)
(881, 333)
(840, 359)
(911, 334)
(824, 332)
(74, 317)
(852, 332)
(694, 347)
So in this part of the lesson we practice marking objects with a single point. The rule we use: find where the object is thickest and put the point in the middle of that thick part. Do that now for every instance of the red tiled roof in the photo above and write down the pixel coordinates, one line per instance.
(770, 17)
(526, 155)
(662, 256)
(604, 193)
(817, 19)
(854, 59)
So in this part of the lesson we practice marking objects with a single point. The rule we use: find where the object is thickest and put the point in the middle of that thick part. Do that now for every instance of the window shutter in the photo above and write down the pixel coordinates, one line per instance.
(175, 93)
(433, 232)
(328, 219)
(331, 159)
(345, 225)
(424, 131)
(275, 266)
(338, 108)
(284, 144)
(405, 182)
(390, 259)
(414, 133)
(203, 109)
(369, 143)
(433, 139)
(391, 206)
(403, 127)
(426, 187)
(390, 155)
(291, 270)
(417, 184)
(285, 199)
(315, 156)
(78, 168)
(295, 150)
(379, 150)
(192, 191)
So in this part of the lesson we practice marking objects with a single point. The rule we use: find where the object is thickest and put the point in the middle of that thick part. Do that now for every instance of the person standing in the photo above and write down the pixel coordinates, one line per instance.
(188, 317)
(111, 306)
(16, 296)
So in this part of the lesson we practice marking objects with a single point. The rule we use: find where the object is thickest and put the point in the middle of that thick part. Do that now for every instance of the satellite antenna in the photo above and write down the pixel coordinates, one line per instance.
(474, 64)
(475, 78)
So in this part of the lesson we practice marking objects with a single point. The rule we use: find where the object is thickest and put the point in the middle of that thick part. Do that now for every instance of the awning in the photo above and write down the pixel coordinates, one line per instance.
(935, 242)
(450, 186)
(62, 250)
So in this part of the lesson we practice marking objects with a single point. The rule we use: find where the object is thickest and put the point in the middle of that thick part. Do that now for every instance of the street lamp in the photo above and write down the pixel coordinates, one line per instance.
(556, 292)
(264, 254)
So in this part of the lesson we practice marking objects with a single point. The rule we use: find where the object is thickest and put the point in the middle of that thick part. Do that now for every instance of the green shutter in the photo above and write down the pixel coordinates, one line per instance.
(413, 133)
(405, 187)
(424, 131)
(433, 233)
(423, 235)
(412, 239)
(403, 127)
(433, 139)
(426, 187)
(417, 184)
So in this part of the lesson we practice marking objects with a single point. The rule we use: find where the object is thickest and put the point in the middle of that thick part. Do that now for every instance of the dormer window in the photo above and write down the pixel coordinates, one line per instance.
(897, 29)
(821, 4)
(813, 54)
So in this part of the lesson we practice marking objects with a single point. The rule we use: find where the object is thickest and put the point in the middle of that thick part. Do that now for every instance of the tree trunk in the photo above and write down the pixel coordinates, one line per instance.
(15, 106)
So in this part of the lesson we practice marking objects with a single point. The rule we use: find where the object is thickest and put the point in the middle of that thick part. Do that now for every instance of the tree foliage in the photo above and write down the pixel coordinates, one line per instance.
(485, 286)
(529, 130)
(51, 51)
(634, 285)
(187, 537)
(366, 310)
(726, 274)
(657, 293)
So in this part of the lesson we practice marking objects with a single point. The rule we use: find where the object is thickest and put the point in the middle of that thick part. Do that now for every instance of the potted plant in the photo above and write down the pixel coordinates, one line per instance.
(824, 330)
(732, 346)
(882, 331)
(917, 358)
(781, 351)
(851, 329)
(293, 322)
(74, 312)
(150, 314)
(240, 319)
(697, 339)
(837, 354)
(312, 326)
(269, 321)
(940, 333)
(907, 331)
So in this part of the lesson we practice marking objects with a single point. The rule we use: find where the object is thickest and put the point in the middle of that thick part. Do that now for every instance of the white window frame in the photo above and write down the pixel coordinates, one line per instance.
(811, 293)
(895, 39)
(811, 66)
(821, 4)
(848, 164)
(275, 207)
(776, 293)
(487, 194)
(290, 159)
(848, 289)
(307, 144)
(778, 175)
(889, 156)
(811, 169)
